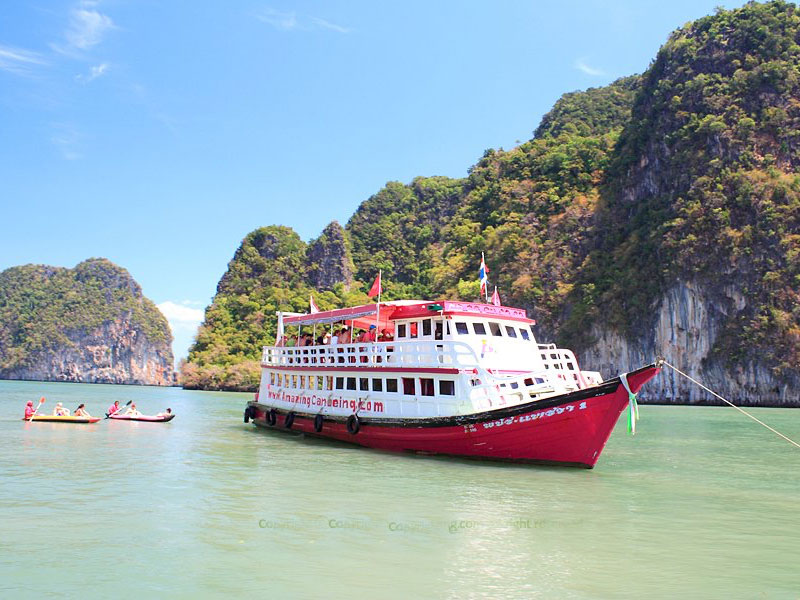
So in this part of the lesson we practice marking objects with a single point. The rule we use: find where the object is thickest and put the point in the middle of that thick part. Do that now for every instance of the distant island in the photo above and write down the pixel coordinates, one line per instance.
(659, 215)
(89, 324)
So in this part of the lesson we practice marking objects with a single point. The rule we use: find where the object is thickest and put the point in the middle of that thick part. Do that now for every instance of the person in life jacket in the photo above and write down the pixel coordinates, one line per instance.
(29, 409)
(114, 408)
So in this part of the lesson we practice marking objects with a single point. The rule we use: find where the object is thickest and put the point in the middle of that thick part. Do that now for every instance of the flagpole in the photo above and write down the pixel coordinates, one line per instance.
(378, 311)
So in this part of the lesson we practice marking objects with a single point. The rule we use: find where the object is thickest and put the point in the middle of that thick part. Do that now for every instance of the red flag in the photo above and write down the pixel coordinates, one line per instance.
(376, 289)
(496, 297)
(312, 307)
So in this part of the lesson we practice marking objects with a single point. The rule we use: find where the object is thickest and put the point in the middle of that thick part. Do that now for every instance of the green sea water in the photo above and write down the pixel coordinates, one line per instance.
(701, 503)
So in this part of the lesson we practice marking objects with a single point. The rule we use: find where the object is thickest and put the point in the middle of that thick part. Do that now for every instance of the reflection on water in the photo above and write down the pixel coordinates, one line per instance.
(699, 503)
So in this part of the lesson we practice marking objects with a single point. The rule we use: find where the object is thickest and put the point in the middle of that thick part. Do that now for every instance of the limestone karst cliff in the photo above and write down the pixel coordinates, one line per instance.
(89, 324)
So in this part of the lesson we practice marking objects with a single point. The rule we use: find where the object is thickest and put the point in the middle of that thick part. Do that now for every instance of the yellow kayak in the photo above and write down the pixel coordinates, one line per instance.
(64, 419)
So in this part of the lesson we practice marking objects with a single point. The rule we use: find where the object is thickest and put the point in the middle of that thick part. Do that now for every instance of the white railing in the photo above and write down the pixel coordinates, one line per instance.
(422, 354)
(563, 362)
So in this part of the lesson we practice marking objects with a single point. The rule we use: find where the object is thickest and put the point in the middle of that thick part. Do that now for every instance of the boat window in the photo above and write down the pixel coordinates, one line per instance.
(461, 328)
(426, 386)
(401, 330)
(479, 329)
(495, 328)
(302, 381)
(528, 381)
(312, 382)
(330, 383)
(377, 385)
(475, 382)
(351, 383)
(340, 383)
(426, 327)
(447, 387)
(272, 378)
(524, 334)
(285, 380)
(447, 327)
(413, 330)
(319, 382)
(363, 384)
(539, 380)
(391, 385)
(408, 386)
(510, 331)
(294, 381)
(514, 385)
(437, 333)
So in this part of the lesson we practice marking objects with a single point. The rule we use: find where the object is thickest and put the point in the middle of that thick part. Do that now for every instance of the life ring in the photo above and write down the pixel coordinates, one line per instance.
(318, 423)
(271, 417)
(353, 424)
(288, 421)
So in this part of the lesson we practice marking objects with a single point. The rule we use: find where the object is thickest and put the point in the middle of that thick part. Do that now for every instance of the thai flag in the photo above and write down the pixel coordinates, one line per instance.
(483, 275)
(312, 307)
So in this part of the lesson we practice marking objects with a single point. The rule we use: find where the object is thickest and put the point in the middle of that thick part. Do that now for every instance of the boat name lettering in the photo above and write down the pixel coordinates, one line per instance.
(556, 410)
(332, 402)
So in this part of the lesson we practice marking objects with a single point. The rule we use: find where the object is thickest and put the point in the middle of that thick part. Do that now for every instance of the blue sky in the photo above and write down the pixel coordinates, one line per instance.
(159, 133)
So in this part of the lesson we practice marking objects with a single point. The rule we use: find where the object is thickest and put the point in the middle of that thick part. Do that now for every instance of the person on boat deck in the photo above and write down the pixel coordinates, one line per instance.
(114, 408)
(292, 341)
(344, 335)
(386, 335)
(282, 341)
(29, 410)
(132, 411)
(326, 339)
(60, 411)
(81, 411)
(166, 413)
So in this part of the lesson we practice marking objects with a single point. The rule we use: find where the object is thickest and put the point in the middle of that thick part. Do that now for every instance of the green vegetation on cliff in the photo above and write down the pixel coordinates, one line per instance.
(685, 173)
(42, 306)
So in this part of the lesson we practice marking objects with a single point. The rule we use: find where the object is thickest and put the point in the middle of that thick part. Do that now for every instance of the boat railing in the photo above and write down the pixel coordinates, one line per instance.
(563, 363)
(421, 353)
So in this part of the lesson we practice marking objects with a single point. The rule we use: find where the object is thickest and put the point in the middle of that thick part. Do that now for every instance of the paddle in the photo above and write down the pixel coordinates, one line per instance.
(41, 401)
(128, 403)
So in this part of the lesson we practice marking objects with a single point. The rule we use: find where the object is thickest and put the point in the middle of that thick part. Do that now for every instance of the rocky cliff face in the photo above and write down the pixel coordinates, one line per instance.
(684, 331)
(90, 324)
(328, 258)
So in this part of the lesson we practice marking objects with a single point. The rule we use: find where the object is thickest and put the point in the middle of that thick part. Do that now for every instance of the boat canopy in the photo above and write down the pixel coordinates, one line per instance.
(359, 315)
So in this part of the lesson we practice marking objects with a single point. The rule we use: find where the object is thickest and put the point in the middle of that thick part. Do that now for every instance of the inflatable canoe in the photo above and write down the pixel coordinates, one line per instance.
(65, 419)
(148, 418)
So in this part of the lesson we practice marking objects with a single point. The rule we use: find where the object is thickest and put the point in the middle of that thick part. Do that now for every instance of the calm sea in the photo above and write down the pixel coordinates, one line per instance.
(701, 503)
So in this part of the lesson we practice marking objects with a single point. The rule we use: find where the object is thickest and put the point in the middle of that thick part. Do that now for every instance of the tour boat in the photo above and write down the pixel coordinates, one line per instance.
(456, 378)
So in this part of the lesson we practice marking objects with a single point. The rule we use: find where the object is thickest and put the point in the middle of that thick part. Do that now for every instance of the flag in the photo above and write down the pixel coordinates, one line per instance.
(496, 297)
(376, 289)
(312, 307)
(483, 276)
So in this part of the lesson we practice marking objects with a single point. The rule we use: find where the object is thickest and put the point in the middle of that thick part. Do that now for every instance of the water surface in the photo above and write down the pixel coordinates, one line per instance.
(702, 502)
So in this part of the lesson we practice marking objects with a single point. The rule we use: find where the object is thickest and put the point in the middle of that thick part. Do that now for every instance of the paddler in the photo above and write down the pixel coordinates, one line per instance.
(113, 409)
(60, 411)
(29, 410)
(81, 411)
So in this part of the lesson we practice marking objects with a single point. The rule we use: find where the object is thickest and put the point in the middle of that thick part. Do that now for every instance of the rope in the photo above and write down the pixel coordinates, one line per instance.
(775, 431)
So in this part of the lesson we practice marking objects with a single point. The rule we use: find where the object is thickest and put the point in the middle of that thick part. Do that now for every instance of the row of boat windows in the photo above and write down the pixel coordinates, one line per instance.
(410, 386)
(430, 327)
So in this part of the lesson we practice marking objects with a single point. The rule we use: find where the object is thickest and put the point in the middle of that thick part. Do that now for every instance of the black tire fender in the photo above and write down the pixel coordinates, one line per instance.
(353, 424)
(288, 420)
(318, 420)
(271, 417)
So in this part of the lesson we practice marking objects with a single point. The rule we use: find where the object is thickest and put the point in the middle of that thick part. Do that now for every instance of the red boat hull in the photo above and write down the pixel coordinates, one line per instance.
(571, 429)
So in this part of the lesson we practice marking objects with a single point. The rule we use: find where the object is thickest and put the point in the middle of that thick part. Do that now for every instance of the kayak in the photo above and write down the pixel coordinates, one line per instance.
(148, 418)
(64, 419)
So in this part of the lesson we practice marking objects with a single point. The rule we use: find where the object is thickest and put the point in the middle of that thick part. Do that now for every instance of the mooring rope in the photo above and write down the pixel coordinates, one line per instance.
(713, 393)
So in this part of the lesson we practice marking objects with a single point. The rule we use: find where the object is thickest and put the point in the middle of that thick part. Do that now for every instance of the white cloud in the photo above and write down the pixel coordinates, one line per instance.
(328, 25)
(66, 138)
(581, 65)
(19, 61)
(183, 321)
(87, 27)
(181, 313)
(290, 21)
(94, 73)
